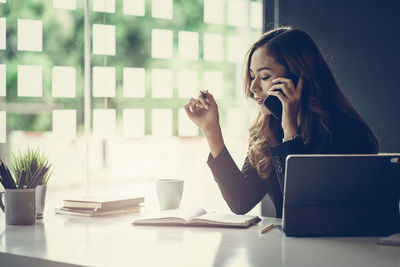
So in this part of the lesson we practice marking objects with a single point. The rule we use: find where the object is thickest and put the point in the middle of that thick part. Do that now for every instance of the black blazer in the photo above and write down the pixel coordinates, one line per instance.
(243, 189)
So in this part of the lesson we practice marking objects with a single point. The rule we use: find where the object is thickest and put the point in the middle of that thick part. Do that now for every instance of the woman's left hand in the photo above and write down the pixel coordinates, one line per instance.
(291, 101)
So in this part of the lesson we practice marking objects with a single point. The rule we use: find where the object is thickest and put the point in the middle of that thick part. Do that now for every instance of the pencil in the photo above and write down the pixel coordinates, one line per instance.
(267, 228)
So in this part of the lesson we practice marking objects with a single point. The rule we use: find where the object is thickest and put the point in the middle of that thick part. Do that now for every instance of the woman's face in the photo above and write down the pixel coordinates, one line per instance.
(263, 69)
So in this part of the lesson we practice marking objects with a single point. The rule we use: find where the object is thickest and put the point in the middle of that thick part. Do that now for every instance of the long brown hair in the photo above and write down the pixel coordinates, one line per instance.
(296, 51)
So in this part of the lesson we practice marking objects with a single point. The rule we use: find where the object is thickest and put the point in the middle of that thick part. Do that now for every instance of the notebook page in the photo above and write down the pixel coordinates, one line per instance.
(225, 219)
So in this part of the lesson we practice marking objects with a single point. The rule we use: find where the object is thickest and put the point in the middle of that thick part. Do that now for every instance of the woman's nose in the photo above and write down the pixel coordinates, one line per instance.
(255, 86)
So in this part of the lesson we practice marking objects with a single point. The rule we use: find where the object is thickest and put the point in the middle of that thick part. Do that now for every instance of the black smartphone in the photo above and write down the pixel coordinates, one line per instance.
(273, 104)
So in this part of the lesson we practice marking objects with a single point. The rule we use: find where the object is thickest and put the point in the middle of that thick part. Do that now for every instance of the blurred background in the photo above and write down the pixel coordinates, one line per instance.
(147, 58)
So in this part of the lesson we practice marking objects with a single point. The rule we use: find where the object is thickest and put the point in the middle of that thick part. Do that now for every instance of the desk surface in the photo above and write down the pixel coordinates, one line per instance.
(113, 241)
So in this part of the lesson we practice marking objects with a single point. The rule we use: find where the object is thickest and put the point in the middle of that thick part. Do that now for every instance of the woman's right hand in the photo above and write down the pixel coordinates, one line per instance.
(203, 111)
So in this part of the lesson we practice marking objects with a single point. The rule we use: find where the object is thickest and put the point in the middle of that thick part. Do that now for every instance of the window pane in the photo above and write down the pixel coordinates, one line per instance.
(161, 122)
(133, 123)
(188, 83)
(29, 80)
(29, 35)
(213, 47)
(161, 43)
(162, 9)
(3, 126)
(186, 126)
(134, 7)
(64, 124)
(236, 121)
(104, 6)
(188, 45)
(2, 33)
(256, 15)
(65, 4)
(104, 123)
(237, 12)
(103, 39)
(103, 82)
(161, 80)
(213, 81)
(134, 82)
(3, 79)
(237, 49)
(213, 11)
(64, 82)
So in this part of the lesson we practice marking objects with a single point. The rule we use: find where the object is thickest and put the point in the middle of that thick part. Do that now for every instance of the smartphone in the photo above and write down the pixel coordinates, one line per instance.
(273, 104)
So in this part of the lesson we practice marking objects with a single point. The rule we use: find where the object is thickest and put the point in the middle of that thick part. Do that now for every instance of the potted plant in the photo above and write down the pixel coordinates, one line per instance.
(35, 169)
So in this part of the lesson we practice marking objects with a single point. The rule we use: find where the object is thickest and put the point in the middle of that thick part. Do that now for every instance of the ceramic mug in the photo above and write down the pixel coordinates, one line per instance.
(19, 206)
(169, 192)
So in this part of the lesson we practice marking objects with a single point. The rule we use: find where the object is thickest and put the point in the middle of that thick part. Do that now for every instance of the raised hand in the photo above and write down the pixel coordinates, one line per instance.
(290, 96)
(203, 111)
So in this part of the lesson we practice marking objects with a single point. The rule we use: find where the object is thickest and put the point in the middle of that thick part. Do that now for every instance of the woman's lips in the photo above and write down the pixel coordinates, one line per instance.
(260, 101)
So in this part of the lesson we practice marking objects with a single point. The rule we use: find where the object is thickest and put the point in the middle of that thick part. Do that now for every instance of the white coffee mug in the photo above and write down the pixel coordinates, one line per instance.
(19, 206)
(169, 192)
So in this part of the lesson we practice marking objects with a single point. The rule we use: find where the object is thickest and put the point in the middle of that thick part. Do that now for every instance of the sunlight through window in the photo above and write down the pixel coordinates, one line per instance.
(213, 47)
(64, 124)
(29, 35)
(103, 82)
(64, 81)
(134, 82)
(161, 81)
(161, 123)
(188, 45)
(161, 43)
(2, 33)
(188, 83)
(3, 125)
(65, 4)
(133, 123)
(3, 72)
(162, 9)
(213, 11)
(134, 7)
(104, 123)
(29, 80)
(104, 6)
(103, 39)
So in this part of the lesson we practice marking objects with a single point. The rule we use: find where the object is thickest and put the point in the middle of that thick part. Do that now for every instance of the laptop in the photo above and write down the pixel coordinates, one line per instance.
(341, 195)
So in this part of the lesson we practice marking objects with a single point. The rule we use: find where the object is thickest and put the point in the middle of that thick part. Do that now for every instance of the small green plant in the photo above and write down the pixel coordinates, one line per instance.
(34, 163)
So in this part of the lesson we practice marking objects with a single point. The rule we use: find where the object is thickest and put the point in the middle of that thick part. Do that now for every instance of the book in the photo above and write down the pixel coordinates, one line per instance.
(95, 212)
(197, 217)
(105, 202)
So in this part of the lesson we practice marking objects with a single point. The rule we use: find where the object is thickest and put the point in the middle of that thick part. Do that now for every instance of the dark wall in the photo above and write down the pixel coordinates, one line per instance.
(361, 40)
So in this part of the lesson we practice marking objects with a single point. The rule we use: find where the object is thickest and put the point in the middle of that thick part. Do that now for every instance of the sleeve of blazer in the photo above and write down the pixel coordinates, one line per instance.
(279, 154)
(241, 189)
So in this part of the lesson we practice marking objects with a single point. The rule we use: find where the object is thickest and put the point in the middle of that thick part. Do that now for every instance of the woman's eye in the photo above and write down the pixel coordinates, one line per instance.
(252, 78)
(265, 78)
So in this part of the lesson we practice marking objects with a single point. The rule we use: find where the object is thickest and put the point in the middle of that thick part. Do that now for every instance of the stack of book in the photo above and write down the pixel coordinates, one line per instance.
(100, 206)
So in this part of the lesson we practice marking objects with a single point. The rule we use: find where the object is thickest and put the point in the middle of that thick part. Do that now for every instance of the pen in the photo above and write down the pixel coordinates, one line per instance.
(204, 95)
(267, 228)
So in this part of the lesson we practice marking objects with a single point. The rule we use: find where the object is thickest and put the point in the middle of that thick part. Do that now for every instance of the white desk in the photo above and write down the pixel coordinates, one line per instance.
(70, 241)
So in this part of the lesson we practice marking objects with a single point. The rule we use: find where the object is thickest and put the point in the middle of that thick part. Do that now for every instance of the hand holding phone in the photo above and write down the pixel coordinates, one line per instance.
(273, 104)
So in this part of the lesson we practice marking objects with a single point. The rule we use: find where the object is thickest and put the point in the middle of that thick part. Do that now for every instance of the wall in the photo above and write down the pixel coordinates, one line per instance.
(361, 41)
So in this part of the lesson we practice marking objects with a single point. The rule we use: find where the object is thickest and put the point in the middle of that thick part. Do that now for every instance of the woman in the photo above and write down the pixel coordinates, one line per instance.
(316, 118)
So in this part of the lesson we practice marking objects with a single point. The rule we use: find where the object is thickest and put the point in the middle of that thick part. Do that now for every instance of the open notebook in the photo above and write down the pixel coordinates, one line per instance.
(197, 217)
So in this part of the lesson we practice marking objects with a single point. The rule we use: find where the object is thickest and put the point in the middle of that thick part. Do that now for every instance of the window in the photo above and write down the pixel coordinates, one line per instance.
(147, 59)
